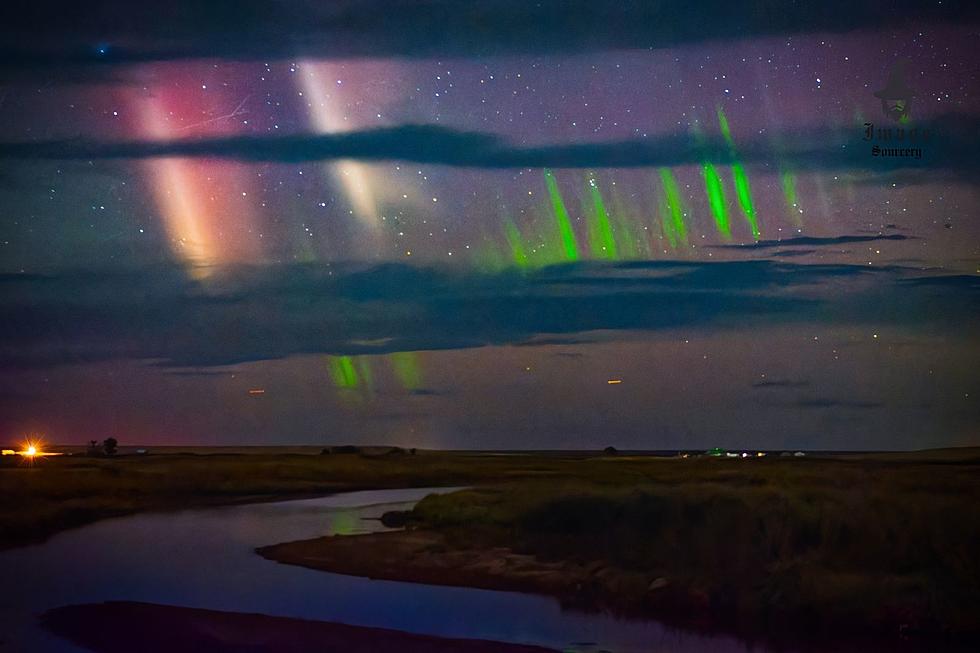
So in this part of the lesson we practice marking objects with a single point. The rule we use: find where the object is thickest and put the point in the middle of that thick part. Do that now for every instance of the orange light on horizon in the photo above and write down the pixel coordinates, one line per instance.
(32, 450)
(31, 447)
(614, 381)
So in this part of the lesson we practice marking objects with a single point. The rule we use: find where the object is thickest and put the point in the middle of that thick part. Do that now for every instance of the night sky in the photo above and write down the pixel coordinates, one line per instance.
(490, 225)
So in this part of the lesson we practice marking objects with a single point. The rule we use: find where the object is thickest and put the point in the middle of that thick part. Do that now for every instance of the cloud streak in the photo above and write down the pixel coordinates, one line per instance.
(824, 402)
(781, 383)
(257, 314)
(52, 33)
(952, 147)
(811, 241)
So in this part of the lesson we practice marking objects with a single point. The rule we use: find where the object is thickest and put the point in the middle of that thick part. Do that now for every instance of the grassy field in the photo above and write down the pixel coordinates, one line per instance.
(841, 546)
(62, 492)
(883, 544)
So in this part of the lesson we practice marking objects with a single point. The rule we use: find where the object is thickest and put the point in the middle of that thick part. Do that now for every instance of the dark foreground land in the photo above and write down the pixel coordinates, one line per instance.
(123, 627)
(880, 546)
(58, 493)
(836, 548)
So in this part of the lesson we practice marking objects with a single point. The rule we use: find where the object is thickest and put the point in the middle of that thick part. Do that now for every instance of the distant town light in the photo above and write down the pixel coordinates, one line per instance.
(31, 450)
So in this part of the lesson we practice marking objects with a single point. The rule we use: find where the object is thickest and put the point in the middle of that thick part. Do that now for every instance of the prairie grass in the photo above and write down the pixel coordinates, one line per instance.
(870, 541)
(833, 543)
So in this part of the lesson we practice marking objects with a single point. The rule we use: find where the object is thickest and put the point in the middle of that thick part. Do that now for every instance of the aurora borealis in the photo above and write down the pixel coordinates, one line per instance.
(440, 225)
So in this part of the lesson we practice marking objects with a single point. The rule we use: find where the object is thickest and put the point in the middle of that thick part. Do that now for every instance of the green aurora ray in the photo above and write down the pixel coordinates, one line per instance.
(564, 224)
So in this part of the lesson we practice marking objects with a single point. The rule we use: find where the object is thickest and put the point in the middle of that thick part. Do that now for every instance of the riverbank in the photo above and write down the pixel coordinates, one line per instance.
(838, 549)
(64, 492)
(123, 627)
(760, 546)
(418, 556)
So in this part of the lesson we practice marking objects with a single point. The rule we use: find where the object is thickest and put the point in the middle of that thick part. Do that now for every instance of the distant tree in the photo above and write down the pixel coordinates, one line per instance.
(109, 446)
(610, 451)
(93, 448)
(342, 448)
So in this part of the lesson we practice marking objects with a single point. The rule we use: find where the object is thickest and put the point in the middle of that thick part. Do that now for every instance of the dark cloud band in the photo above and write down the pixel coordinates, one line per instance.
(954, 142)
(51, 33)
(250, 314)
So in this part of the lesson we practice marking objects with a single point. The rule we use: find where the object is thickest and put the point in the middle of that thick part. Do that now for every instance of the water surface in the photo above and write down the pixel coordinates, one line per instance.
(204, 558)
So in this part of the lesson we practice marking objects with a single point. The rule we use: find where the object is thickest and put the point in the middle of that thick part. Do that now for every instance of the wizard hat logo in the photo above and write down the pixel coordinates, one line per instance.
(896, 95)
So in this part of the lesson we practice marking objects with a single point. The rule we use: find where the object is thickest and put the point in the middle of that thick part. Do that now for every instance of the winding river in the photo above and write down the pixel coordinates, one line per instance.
(205, 558)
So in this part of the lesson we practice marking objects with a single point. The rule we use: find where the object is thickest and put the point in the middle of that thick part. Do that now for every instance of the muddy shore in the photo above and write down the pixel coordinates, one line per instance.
(124, 627)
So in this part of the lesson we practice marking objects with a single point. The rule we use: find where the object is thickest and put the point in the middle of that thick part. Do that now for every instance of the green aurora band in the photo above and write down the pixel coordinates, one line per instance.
(363, 367)
(714, 187)
(342, 371)
(742, 189)
(405, 365)
(788, 181)
(516, 243)
(550, 238)
(565, 231)
(601, 238)
(716, 200)
(744, 194)
(355, 374)
(631, 245)
(673, 222)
